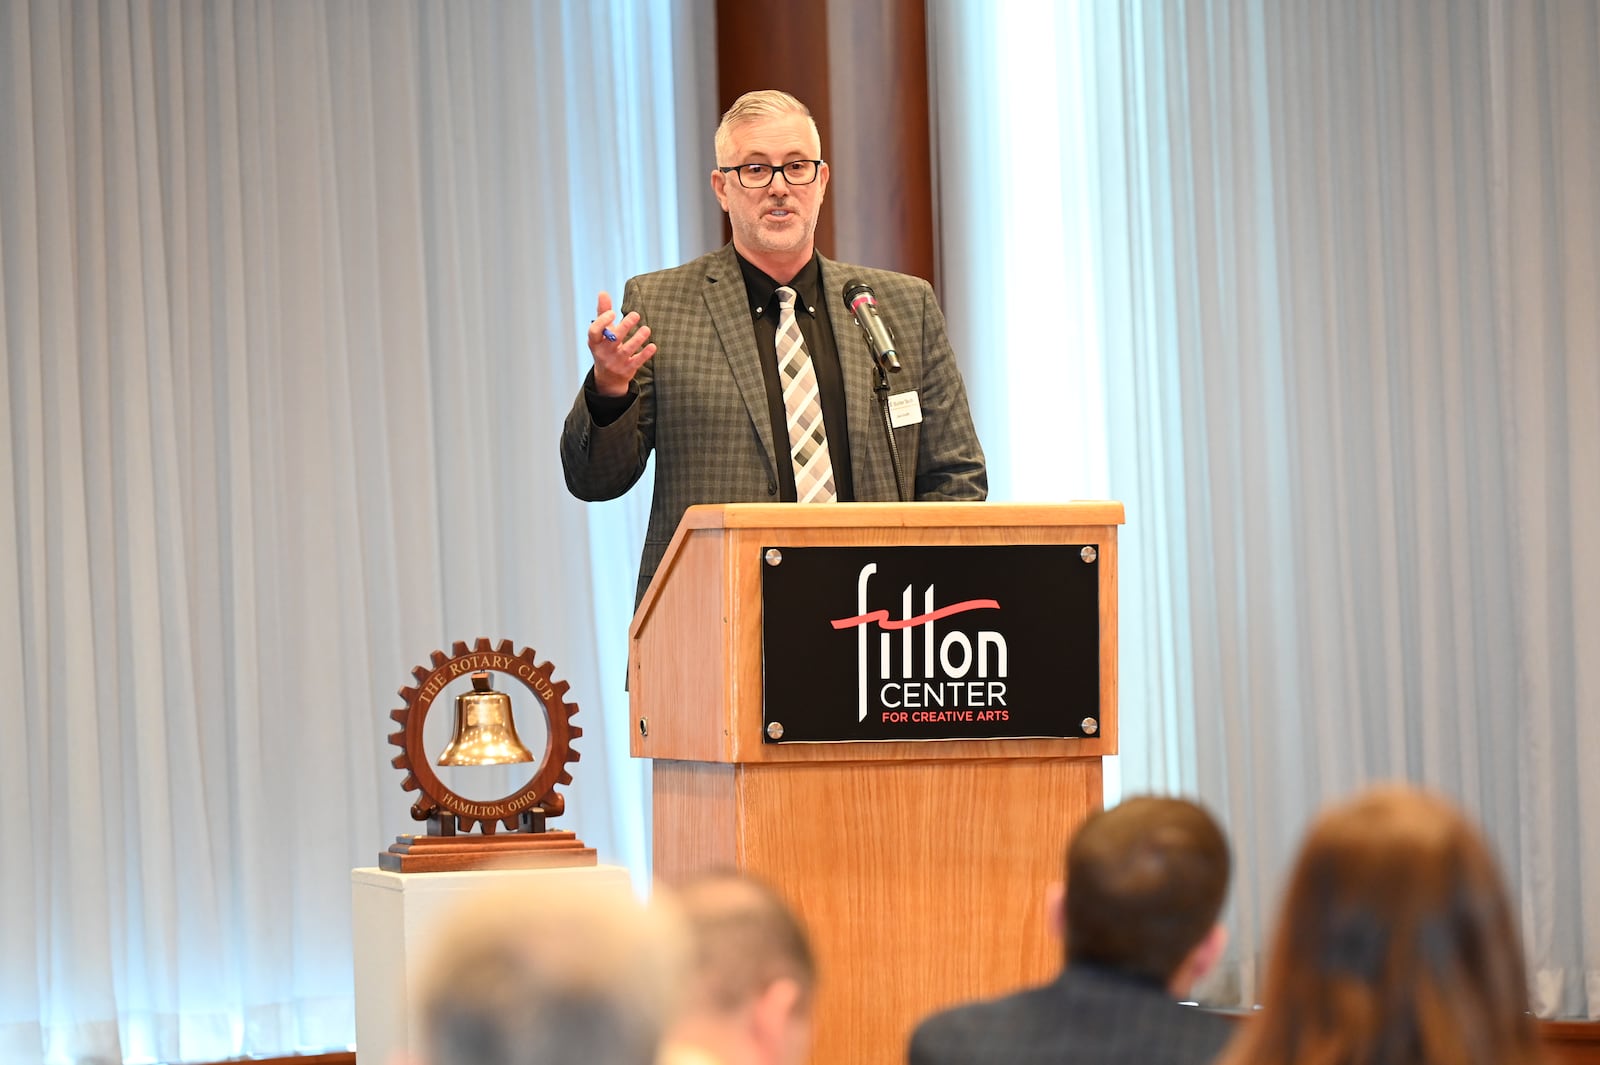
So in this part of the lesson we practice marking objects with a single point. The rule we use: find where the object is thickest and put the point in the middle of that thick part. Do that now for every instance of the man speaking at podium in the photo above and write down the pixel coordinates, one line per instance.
(744, 373)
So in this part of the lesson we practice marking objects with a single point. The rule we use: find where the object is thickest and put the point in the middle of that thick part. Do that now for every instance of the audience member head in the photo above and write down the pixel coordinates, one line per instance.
(1145, 882)
(552, 976)
(751, 988)
(1395, 945)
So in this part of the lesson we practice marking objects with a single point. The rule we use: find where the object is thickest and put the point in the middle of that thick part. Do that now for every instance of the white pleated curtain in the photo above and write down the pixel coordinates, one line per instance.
(1332, 278)
(291, 304)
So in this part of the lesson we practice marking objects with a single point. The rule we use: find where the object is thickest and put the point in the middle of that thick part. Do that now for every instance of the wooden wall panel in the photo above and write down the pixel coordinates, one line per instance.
(1571, 1042)
(879, 135)
(861, 66)
(767, 44)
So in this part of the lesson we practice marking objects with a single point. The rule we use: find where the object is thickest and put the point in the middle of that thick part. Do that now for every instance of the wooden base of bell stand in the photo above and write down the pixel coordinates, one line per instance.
(443, 850)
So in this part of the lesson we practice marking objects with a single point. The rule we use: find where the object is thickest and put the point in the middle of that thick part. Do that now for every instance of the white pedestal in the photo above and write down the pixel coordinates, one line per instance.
(394, 916)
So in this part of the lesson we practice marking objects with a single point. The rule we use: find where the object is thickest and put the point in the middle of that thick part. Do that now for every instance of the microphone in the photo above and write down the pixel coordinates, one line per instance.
(864, 306)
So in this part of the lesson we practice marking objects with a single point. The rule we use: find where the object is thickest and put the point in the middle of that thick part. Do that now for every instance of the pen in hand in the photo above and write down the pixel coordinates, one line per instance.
(606, 332)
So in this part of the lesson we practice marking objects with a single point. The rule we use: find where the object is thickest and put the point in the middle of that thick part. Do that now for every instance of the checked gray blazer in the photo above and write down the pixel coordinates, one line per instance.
(1088, 1016)
(701, 401)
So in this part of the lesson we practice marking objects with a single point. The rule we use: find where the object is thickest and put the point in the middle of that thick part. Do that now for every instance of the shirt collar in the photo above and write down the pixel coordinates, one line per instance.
(763, 290)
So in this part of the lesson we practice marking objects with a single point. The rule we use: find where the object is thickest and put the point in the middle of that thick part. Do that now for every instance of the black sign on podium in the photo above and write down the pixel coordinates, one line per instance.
(930, 643)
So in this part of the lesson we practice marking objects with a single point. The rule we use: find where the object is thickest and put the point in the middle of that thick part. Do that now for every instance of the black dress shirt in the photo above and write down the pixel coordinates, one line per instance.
(811, 313)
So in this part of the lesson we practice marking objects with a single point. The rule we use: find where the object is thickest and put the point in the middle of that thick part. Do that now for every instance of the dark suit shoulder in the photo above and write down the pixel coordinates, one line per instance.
(1084, 1019)
(976, 1031)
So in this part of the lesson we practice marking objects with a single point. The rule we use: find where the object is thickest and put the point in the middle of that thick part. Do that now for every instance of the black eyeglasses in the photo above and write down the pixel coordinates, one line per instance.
(760, 175)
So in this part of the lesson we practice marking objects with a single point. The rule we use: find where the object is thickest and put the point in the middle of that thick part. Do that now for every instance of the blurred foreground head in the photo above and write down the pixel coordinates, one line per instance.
(1145, 883)
(754, 979)
(551, 977)
(1395, 944)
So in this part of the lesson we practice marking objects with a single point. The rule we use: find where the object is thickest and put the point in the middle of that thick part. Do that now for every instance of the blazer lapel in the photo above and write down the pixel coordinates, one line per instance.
(730, 313)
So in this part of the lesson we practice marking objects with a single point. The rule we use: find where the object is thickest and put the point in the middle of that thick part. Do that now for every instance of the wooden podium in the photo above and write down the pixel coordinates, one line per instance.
(920, 868)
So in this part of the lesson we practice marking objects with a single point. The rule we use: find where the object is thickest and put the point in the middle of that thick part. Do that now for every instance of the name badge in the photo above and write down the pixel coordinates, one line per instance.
(904, 409)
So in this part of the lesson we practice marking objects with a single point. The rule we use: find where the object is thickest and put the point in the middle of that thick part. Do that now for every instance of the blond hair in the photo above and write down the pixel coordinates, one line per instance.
(543, 976)
(745, 938)
(762, 103)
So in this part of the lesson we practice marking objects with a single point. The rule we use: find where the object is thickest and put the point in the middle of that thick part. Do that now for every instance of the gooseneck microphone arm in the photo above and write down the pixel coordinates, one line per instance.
(863, 307)
(881, 390)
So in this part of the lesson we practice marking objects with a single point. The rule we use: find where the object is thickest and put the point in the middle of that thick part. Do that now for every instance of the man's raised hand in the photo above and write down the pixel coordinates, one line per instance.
(619, 348)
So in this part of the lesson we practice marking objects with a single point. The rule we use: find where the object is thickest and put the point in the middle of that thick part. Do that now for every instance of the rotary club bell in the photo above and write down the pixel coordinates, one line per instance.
(485, 734)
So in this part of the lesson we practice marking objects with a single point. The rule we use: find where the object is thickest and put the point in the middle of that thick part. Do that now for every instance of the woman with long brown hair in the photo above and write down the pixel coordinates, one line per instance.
(1395, 946)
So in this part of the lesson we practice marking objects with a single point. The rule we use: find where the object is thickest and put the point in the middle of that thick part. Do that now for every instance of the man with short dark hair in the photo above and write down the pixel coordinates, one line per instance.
(1145, 882)
(750, 993)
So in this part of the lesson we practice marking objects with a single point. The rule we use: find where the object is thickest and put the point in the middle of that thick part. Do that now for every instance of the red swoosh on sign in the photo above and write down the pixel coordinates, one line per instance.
(882, 616)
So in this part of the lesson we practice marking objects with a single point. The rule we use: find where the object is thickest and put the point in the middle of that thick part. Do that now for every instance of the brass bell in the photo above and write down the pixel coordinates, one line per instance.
(485, 732)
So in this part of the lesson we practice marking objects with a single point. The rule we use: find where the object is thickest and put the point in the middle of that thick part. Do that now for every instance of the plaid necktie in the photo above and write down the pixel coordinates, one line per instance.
(802, 404)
